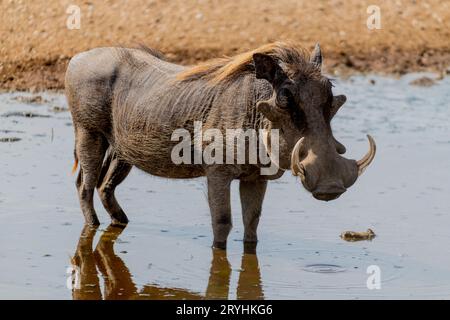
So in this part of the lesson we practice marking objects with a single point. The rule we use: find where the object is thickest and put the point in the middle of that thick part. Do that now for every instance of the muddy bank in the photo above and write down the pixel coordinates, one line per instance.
(36, 44)
(42, 74)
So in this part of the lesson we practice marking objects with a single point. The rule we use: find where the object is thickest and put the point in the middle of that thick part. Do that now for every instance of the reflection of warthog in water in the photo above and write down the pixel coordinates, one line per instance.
(118, 281)
(126, 103)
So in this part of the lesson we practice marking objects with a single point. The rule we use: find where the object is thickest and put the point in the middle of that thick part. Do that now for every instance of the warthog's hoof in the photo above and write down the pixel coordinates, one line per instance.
(117, 223)
(220, 245)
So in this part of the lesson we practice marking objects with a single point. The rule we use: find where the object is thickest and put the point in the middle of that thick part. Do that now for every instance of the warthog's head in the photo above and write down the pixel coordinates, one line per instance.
(301, 107)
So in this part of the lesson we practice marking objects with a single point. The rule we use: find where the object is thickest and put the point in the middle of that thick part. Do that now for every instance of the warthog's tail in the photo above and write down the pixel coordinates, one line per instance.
(75, 165)
(105, 166)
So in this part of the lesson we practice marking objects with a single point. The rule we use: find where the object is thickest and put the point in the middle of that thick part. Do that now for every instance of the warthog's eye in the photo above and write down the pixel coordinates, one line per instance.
(285, 99)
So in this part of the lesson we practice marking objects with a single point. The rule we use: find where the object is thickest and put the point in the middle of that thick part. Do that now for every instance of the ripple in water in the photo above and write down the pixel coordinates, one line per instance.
(323, 268)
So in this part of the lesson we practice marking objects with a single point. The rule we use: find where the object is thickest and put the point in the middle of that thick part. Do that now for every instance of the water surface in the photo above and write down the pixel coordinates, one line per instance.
(165, 251)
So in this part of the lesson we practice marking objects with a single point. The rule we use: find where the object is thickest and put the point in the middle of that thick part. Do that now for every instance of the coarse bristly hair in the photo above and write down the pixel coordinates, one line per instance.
(293, 58)
(124, 54)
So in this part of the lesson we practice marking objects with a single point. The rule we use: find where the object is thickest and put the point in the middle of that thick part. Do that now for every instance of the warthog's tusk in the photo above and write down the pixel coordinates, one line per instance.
(367, 159)
(296, 166)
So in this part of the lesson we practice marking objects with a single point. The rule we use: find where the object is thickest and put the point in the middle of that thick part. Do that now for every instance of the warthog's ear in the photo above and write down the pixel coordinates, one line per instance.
(338, 101)
(316, 56)
(267, 68)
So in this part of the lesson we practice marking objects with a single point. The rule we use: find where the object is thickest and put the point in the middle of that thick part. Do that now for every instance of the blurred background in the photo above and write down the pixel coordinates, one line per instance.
(36, 44)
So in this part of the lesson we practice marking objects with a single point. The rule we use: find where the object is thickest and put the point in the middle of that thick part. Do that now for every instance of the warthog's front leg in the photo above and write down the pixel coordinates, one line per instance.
(252, 195)
(220, 206)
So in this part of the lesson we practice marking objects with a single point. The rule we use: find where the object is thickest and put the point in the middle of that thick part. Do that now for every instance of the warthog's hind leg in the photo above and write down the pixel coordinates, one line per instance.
(252, 195)
(117, 171)
(90, 151)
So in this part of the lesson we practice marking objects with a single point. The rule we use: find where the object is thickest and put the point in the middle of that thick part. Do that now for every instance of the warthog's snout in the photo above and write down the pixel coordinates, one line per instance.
(323, 171)
(327, 193)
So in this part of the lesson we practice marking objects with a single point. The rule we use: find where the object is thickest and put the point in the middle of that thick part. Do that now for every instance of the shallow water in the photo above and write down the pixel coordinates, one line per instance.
(165, 251)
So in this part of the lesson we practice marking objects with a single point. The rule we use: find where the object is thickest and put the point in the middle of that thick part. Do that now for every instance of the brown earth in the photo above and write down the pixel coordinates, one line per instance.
(36, 44)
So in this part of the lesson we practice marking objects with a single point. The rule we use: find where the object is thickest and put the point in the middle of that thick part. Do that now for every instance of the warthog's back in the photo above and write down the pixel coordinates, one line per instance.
(95, 77)
(125, 94)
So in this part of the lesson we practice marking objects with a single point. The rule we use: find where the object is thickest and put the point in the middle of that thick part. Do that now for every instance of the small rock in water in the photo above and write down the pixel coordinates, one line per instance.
(58, 109)
(358, 236)
(423, 82)
(11, 131)
(10, 139)
(25, 114)
(32, 99)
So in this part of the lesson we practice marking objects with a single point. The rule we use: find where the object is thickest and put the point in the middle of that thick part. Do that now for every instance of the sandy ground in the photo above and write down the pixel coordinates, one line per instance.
(35, 43)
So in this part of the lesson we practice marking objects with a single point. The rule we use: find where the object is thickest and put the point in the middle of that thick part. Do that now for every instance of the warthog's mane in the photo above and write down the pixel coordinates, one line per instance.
(290, 56)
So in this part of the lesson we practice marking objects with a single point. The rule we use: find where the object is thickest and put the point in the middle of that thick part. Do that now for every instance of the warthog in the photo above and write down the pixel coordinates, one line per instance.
(126, 103)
